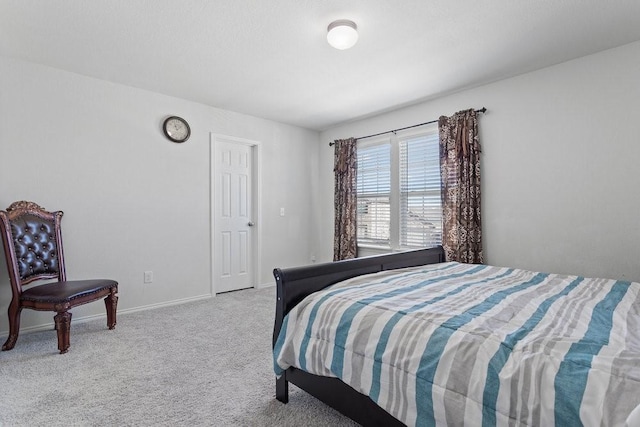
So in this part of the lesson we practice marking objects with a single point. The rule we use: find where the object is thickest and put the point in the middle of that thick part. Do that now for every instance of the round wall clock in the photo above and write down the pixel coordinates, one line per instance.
(176, 129)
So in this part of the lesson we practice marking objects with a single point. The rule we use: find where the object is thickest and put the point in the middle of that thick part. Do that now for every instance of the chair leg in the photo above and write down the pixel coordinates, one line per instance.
(14, 325)
(111, 302)
(63, 326)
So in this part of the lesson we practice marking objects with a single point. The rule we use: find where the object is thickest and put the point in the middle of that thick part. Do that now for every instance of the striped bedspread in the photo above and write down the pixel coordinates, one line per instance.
(459, 344)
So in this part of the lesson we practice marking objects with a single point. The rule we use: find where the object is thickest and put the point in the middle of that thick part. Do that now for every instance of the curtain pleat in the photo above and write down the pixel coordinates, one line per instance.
(345, 199)
(460, 179)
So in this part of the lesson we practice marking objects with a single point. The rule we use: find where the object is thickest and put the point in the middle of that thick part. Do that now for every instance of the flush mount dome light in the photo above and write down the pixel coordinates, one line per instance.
(342, 34)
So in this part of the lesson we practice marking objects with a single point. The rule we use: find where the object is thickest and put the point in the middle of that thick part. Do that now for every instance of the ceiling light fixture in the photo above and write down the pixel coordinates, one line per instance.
(342, 34)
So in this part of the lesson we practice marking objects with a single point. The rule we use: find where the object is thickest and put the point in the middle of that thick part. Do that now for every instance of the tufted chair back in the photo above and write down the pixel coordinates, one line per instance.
(36, 243)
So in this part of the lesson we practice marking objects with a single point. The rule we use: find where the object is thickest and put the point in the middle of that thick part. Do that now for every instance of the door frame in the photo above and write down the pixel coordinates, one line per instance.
(256, 203)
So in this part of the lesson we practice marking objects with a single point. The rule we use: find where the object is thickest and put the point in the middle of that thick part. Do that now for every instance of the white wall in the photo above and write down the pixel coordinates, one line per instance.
(134, 201)
(560, 157)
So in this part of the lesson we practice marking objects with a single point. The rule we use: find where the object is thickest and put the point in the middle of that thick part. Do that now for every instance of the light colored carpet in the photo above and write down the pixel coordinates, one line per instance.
(204, 363)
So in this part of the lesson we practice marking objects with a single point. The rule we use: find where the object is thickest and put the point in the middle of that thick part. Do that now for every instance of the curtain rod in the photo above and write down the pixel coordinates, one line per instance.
(480, 110)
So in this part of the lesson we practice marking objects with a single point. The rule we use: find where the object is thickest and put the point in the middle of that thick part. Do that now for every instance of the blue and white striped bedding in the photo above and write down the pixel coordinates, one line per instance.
(454, 344)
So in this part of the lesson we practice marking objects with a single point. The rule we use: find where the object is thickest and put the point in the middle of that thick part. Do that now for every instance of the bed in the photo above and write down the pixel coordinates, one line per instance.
(409, 339)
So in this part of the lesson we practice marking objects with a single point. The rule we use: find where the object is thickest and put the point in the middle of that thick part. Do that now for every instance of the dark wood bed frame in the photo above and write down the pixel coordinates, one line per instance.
(293, 284)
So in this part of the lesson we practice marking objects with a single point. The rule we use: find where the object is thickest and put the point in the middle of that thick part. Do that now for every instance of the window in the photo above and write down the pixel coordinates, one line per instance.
(398, 189)
(374, 195)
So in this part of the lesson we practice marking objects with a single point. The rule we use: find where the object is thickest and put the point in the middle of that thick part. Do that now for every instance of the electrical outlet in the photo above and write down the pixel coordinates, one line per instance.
(148, 276)
(281, 211)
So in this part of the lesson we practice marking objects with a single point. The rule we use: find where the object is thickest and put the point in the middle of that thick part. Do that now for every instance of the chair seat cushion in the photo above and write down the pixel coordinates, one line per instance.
(57, 292)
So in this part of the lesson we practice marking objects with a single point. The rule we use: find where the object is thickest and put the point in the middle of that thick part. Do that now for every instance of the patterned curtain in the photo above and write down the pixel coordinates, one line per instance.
(345, 168)
(460, 176)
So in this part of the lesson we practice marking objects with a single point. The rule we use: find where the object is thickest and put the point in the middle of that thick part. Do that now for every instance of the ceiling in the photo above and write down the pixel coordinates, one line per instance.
(270, 58)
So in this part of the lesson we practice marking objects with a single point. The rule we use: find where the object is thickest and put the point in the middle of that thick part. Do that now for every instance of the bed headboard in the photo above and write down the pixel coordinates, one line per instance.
(293, 284)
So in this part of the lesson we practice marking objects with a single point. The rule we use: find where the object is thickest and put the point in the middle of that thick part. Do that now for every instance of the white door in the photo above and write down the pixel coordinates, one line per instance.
(232, 215)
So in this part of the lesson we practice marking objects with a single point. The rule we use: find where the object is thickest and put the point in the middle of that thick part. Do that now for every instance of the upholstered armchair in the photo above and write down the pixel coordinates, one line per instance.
(33, 250)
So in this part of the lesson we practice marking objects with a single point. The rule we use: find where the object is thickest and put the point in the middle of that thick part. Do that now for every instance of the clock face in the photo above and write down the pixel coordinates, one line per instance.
(176, 129)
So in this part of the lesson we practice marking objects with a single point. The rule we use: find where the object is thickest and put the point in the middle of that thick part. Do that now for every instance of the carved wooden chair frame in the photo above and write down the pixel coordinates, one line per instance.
(39, 255)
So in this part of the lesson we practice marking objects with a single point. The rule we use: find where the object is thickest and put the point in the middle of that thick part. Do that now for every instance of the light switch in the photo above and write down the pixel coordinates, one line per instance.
(281, 211)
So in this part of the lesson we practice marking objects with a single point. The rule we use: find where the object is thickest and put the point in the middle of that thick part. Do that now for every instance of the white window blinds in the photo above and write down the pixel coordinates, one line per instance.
(420, 203)
(398, 190)
(373, 192)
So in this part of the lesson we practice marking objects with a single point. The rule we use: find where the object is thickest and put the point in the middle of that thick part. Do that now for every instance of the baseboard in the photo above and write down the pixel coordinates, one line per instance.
(50, 326)
(266, 285)
(161, 304)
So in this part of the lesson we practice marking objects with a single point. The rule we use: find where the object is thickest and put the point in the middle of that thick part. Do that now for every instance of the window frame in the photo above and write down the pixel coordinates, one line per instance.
(394, 140)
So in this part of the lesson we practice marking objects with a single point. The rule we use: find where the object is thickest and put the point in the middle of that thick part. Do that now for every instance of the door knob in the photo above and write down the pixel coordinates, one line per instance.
(250, 224)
